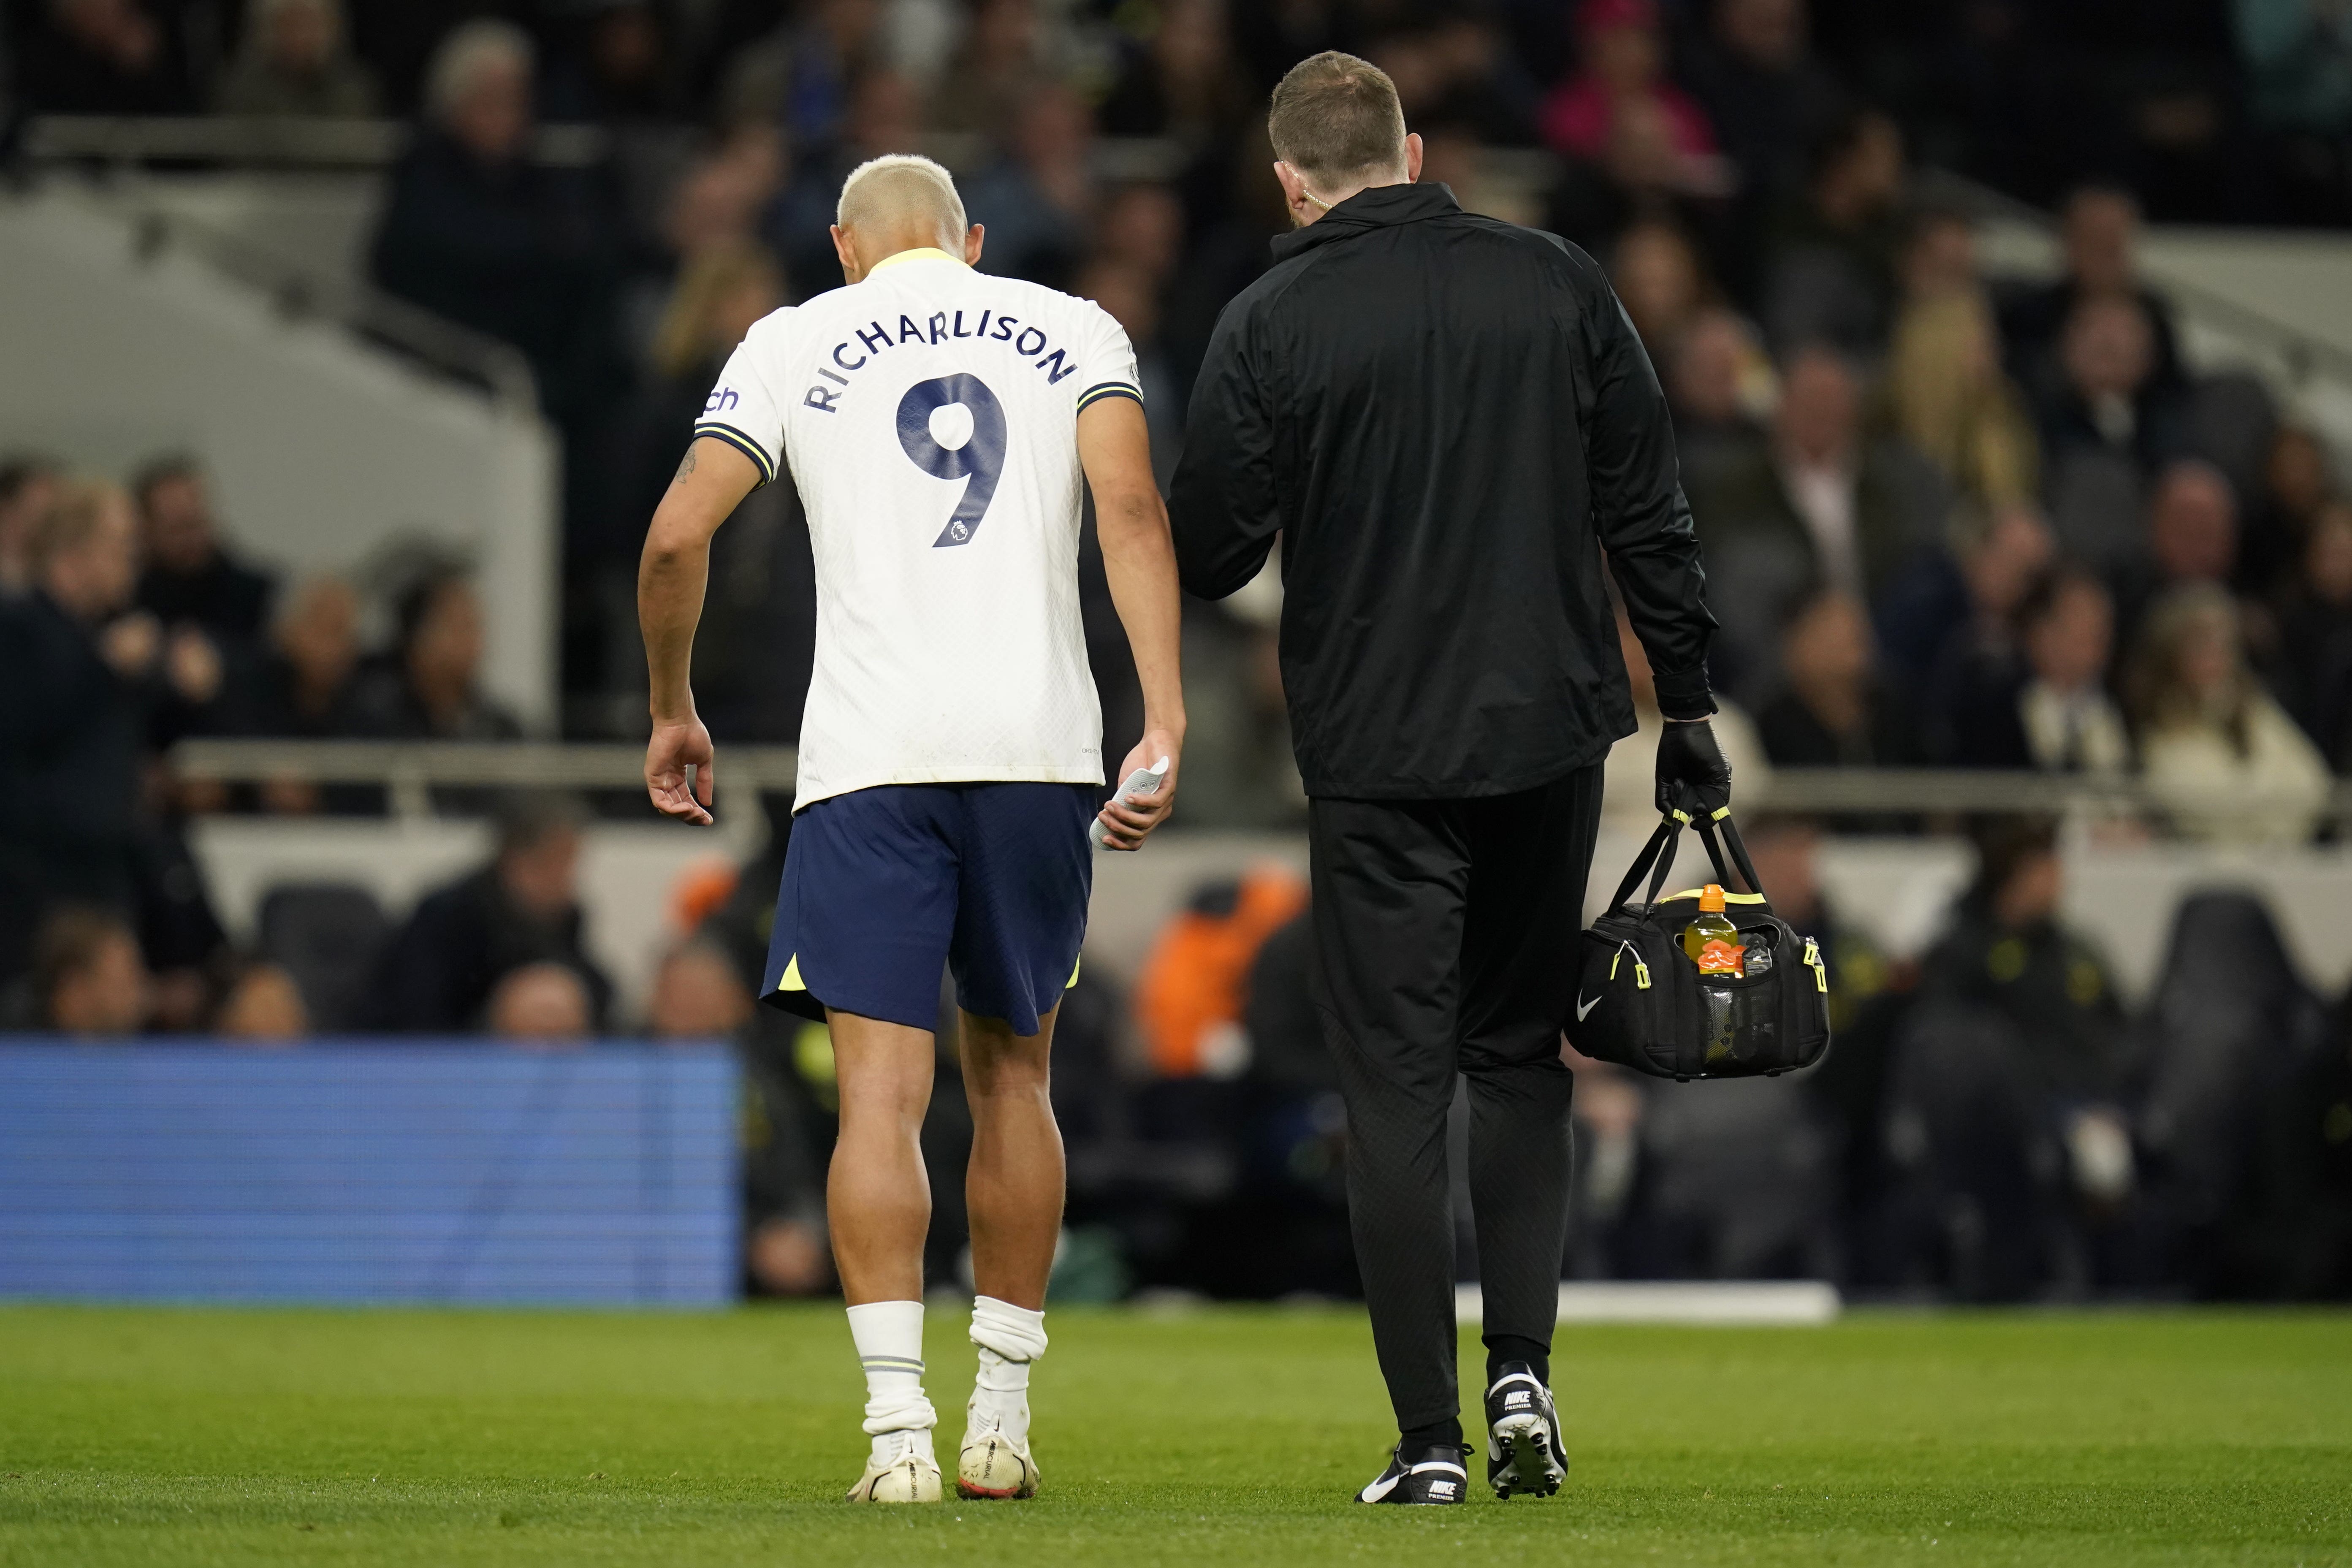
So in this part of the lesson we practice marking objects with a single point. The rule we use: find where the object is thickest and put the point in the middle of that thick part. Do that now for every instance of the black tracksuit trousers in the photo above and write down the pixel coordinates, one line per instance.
(1447, 934)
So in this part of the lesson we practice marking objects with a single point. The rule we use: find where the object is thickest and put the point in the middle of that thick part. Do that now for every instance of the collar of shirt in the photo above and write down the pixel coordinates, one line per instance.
(1376, 208)
(920, 253)
(1823, 494)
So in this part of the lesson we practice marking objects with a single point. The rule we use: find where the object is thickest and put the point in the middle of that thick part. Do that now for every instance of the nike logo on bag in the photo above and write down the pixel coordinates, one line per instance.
(1583, 1006)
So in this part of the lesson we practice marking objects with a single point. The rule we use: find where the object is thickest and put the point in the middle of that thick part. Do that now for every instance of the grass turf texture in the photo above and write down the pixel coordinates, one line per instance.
(1220, 1436)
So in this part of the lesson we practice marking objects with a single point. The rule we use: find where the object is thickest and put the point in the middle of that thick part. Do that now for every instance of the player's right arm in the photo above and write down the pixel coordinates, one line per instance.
(711, 480)
(1140, 560)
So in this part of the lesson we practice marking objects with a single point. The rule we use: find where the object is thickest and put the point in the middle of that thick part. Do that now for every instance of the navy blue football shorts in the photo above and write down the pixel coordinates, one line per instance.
(885, 888)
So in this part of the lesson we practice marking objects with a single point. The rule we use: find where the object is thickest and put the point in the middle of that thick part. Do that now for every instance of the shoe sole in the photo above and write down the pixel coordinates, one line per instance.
(1521, 1443)
(1026, 1488)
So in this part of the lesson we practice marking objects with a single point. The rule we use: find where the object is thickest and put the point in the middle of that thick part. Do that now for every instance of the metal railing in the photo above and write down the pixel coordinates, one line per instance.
(410, 771)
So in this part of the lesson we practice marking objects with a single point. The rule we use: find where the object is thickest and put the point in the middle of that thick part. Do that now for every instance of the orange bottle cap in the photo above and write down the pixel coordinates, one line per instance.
(1710, 900)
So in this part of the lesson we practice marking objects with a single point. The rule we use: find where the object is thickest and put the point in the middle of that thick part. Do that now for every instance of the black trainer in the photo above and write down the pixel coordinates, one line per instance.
(1520, 1418)
(1437, 1476)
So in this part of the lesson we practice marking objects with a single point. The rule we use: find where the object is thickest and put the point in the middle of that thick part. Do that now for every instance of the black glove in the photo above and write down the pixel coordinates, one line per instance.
(1692, 774)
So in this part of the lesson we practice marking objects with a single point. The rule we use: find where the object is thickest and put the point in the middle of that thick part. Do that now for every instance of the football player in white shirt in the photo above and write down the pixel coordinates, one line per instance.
(938, 423)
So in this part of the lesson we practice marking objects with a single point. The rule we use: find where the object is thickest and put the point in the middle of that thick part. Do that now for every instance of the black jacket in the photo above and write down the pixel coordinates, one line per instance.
(1447, 418)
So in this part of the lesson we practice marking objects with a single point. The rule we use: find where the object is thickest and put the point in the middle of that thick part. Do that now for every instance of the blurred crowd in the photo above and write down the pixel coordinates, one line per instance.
(1951, 519)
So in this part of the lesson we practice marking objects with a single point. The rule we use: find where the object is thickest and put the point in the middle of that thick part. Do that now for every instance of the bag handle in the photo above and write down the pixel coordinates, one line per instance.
(1657, 857)
(1658, 852)
(1740, 860)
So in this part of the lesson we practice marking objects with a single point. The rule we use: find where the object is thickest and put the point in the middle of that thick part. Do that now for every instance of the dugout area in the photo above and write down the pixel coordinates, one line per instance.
(161, 1435)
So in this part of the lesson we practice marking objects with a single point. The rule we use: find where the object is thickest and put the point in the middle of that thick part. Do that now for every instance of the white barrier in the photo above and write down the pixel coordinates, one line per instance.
(1720, 1303)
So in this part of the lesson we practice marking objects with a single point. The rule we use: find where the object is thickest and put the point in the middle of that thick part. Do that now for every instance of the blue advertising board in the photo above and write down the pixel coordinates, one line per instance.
(358, 1172)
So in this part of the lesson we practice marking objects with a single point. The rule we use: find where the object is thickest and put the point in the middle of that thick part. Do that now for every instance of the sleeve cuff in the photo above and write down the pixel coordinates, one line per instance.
(744, 444)
(1684, 695)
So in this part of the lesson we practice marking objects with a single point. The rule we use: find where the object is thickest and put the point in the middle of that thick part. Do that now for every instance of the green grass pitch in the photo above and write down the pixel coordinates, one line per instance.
(1216, 1437)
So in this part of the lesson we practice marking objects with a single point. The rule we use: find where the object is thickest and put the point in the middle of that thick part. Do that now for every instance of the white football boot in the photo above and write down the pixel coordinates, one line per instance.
(993, 1465)
(899, 1469)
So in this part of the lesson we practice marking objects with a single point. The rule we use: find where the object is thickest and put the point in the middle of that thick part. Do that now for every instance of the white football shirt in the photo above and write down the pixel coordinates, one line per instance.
(929, 414)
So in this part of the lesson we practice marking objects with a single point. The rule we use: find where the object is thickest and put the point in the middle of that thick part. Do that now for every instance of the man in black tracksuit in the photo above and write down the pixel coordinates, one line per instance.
(1446, 420)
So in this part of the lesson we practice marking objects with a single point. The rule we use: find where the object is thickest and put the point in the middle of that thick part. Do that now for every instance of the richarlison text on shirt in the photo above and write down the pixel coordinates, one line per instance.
(853, 354)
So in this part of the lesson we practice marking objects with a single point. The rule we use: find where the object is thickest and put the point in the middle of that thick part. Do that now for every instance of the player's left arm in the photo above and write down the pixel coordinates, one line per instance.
(710, 482)
(1140, 559)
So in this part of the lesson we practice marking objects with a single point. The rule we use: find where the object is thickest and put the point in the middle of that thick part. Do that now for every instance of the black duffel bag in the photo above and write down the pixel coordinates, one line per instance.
(1642, 1002)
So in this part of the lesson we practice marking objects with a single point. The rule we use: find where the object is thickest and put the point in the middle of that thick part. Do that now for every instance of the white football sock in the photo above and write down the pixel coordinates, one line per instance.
(889, 1336)
(1009, 1339)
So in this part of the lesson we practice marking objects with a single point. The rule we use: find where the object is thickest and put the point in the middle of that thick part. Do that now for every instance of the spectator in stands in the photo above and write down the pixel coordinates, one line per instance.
(88, 979)
(543, 1003)
(263, 1007)
(1820, 507)
(1770, 99)
(2217, 751)
(2008, 1078)
(1661, 282)
(1950, 400)
(884, 115)
(1007, 55)
(1622, 61)
(79, 679)
(2298, 478)
(2110, 396)
(29, 488)
(431, 690)
(100, 57)
(1832, 712)
(1128, 292)
(191, 581)
(2100, 236)
(1628, 801)
(2315, 659)
(1833, 273)
(293, 61)
(2190, 537)
(304, 687)
(2059, 717)
(1036, 203)
(1973, 676)
(1183, 84)
(722, 288)
(611, 65)
(1721, 386)
(519, 910)
(476, 231)
(802, 77)
(2068, 721)
(698, 995)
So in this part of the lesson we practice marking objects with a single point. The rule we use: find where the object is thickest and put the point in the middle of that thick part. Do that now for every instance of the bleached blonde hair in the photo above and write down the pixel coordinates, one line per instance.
(901, 184)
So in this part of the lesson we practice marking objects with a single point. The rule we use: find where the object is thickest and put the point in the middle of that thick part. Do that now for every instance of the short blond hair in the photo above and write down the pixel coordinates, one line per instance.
(1334, 117)
(901, 183)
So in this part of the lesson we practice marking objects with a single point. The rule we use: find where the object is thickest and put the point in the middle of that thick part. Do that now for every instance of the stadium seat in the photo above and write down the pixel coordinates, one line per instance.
(327, 935)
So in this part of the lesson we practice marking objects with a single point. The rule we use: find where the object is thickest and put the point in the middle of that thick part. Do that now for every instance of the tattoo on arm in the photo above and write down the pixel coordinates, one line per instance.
(684, 467)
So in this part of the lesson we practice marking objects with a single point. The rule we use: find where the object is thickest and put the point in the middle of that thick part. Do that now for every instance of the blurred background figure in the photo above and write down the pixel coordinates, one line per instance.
(294, 60)
(2214, 746)
(539, 1003)
(263, 1007)
(87, 979)
(522, 909)
(430, 688)
(2007, 1087)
